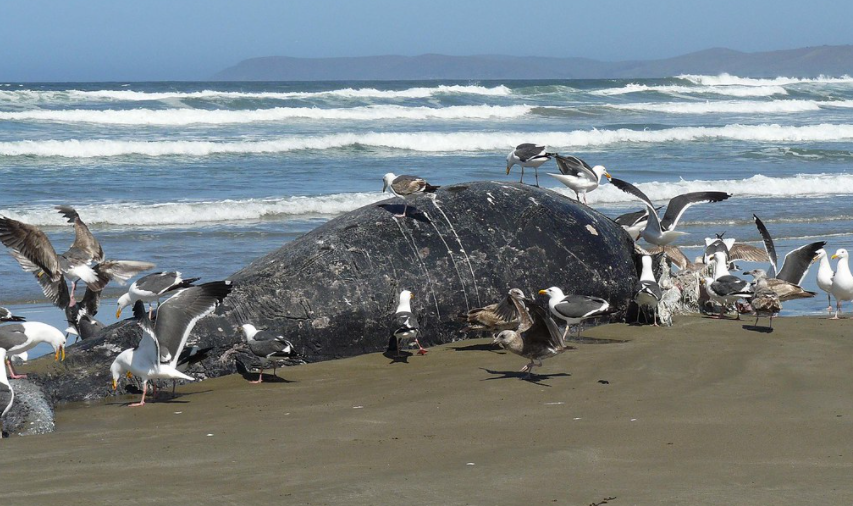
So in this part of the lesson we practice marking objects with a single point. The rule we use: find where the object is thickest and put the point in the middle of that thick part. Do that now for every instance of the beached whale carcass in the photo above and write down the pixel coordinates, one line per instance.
(333, 292)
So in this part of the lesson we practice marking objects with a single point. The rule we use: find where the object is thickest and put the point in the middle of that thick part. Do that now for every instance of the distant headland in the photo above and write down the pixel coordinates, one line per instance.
(804, 62)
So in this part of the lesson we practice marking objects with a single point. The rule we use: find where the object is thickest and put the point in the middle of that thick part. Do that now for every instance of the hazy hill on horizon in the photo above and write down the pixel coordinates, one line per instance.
(803, 62)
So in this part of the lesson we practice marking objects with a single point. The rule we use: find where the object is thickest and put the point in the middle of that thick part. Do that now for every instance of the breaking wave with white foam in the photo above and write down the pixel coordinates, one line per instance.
(138, 96)
(427, 142)
(725, 79)
(731, 107)
(205, 213)
(758, 186)
(179, 117)
(673, 89)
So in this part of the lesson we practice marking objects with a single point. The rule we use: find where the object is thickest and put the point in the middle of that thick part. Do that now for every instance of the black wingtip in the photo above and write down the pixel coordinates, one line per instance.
(218, 289)
(431, 188)
(69, 212)
(186, 283)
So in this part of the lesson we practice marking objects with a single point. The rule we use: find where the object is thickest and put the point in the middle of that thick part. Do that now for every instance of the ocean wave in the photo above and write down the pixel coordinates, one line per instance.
(178, 117)
(731, 107)
(673, 89)
(137, 96)
(725, 79)
(132, 214)
(801, 185)
(203, 213)
(427, 142)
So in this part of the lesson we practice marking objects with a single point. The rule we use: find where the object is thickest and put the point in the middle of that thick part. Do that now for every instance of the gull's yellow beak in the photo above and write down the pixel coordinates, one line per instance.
(543, 292)
(118, 313)
(607, 175)
(507, 169)
(129, 375)
(115, 385)
(834, 256)
(815, 259)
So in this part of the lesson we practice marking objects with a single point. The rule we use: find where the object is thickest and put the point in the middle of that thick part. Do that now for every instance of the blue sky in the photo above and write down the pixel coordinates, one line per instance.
(99, 40)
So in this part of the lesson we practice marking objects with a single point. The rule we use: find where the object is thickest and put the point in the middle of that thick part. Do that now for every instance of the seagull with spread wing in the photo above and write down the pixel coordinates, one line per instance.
(578, 175)
(662, 232)
(164, 339)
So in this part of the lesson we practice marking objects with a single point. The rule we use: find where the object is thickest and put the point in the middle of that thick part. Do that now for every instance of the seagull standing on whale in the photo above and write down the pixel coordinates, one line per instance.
(578, 175)
(404, 186)
(527, 155)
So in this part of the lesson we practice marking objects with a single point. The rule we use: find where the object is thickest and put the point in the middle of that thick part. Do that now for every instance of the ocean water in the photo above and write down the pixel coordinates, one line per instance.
(204, 177)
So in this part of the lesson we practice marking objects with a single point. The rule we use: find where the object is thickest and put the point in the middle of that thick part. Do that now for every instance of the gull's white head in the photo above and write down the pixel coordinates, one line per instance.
(123, 302)
(840, 253)
(505, 338)
(510, 160)
(120, 366)
(552, 292)
(387, 180)
(599, 171)
(249, 330)
(819, 255)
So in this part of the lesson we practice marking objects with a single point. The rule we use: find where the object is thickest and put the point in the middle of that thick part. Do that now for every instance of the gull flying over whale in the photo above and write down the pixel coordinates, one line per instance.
(662, 232)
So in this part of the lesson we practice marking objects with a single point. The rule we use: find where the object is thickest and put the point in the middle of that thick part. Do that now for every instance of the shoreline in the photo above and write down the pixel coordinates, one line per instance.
(704, 412)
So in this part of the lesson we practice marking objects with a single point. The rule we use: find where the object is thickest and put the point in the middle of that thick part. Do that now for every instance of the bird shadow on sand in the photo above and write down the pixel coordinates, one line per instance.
(480, 347)
(532, 378)
(402, 358)
(160, 398)
(411, 212)
(267, 378)
(756, 328)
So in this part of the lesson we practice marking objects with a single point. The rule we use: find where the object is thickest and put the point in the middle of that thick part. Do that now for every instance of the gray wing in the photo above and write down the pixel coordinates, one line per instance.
(797, 262)
(178, 315)
(84, 242)
(677, 206)
(768, 245)
(544, 330)
(748, 253)
(528, 151)
(12, 335)
(407, 185)
(30, 247)
(581, 306)
(648, 287)
(729, 285)
(267, 345)
(119, 270)
(574, 166)
(7, 316)
(631, 219)
(406, 320)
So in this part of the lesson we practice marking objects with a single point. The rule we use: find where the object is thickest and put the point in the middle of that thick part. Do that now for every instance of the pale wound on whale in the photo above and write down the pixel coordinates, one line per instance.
(592, 230)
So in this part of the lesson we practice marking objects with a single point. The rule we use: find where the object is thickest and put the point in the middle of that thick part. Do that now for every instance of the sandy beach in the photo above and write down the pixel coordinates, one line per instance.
(705, 412)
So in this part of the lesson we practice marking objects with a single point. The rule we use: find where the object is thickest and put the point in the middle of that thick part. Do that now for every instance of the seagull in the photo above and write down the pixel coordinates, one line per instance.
(495, 317)
(573, 308)
(733, 251)
(824, 276)
(842, 281)
(265, 345)
(158, 352)
(635, 222)
(403, 186)
(7, 316)
(723, 288)
(764, 301)
(662, 232)
(406, 325)
(152, 288)
(19, 337)
(527, 155)
(537, 336)
(578, 175)
(5, 385)
(647, 292)
(796, 263)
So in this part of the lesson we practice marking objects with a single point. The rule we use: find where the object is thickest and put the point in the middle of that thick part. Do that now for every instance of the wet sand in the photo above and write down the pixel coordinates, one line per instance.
(705, 412)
